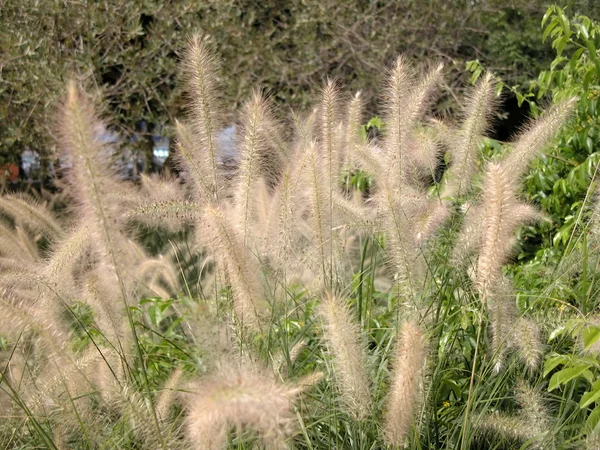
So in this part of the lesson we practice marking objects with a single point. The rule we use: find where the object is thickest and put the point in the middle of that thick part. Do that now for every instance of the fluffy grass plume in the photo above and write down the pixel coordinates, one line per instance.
(329, 136)
(257, 160)
(478, 112)
(502, 315)
(166, 399)
(399, 211)
(31, 213)
(92, 184)
(405, 101)
(198, 152)
(406, 379)
(318, 191)
(536, 136)
(240, 265)
(352, 133)
(344, 341)
(528, 342)
(532, 423)
(240, 399)
(502, 216)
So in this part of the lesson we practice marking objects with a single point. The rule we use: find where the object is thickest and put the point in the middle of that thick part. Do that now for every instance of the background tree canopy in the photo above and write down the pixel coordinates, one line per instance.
(127, 51)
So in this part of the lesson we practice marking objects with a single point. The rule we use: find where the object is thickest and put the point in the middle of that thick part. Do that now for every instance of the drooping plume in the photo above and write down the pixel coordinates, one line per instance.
(532, 140)
(32, 214)
(532, 424)
(161, 202)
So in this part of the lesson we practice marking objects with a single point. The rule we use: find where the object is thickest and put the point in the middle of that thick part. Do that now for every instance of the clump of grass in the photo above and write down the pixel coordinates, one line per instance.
(229, 306)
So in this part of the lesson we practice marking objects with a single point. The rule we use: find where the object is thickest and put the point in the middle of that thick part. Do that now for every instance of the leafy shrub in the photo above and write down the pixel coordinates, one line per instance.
(559, 181)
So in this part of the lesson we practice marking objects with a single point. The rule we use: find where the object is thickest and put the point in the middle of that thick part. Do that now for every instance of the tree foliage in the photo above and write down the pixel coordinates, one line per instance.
(127, 50)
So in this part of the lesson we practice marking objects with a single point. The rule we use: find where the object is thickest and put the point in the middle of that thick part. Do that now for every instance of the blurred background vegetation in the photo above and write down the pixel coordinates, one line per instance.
(127, 51)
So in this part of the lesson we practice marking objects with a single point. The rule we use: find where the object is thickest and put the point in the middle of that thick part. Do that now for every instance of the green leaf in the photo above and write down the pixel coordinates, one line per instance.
(592, 53)
(547, 15)
(553, 362)
(588, 77)
(363, 132)
(556, 32)
(548, 29)
(575, 57)
(555, 333)
(565, 375)
(590, 336)
(560, 44)
(591, 49)
(476, 74)
(453, 386)
(592, 420)
(582, 30)
(557, 61)
(375, 122)
(499, 88)
(565, 22)
(465, 321)
(592, 396)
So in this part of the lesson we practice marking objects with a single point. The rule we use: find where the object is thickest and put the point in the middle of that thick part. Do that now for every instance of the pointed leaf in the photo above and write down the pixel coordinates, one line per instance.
(592, 420)
(590, 336)
(556, 332)
(548, 29)
(592, 396)
(553, 362)
(565, 375)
